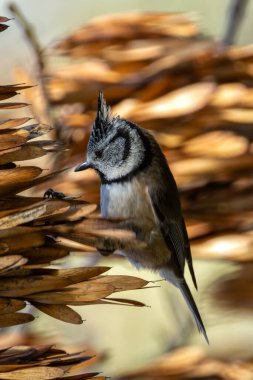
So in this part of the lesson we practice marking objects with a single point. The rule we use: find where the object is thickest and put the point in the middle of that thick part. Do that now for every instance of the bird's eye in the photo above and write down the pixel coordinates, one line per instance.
(99, 153)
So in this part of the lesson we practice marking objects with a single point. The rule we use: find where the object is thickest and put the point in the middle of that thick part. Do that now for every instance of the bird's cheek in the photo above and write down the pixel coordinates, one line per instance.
(97, 166)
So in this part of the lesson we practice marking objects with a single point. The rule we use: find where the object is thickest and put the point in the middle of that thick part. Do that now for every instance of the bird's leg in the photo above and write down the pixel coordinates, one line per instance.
(107, 246)
(106, 252)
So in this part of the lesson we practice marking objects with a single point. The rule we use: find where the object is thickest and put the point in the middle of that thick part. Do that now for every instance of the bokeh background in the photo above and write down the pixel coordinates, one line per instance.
(54, 20)
(206, 135)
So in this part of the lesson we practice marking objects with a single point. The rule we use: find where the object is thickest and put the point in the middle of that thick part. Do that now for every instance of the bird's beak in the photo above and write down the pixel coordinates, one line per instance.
(83, 166)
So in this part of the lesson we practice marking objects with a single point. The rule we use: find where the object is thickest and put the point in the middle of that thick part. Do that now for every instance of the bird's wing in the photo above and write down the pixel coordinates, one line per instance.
(168, 216)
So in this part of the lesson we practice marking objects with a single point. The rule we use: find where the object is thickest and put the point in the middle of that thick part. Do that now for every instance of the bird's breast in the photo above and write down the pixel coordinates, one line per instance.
(129, 201)
(126, 200)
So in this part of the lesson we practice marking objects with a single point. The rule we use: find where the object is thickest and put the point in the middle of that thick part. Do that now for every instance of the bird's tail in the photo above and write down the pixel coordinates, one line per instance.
(183, 287)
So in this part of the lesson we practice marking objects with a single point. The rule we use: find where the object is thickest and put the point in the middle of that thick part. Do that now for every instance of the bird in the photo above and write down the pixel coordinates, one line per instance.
(138, 187)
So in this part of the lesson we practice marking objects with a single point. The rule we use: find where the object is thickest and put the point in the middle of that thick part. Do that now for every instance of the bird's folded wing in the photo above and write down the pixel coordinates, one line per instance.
(167, 213)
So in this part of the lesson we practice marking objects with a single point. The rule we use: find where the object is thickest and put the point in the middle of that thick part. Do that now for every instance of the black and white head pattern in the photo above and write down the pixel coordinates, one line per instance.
(117, 148)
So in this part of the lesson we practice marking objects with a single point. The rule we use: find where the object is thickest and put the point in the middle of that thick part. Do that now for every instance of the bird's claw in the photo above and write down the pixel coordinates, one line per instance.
(105, 252)
(50, 193)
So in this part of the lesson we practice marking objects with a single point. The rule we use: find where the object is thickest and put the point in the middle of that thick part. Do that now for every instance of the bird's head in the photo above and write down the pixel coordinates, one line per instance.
(116, 146)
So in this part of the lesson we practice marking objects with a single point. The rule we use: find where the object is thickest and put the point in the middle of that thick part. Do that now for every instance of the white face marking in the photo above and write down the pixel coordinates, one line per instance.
(134, 158)
(119, 153)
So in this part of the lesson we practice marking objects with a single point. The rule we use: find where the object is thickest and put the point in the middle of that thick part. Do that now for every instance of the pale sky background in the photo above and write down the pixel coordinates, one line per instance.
(54, 19)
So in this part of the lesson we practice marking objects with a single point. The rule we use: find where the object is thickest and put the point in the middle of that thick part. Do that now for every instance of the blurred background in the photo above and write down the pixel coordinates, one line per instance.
(170, 73)
(54, 20)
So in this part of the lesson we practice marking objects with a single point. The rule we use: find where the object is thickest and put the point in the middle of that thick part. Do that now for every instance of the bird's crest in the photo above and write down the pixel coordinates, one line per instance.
(103, 119)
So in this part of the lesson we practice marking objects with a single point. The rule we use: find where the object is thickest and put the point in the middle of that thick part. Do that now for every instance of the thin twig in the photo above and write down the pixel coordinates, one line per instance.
(234, 17)
(35, 45)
